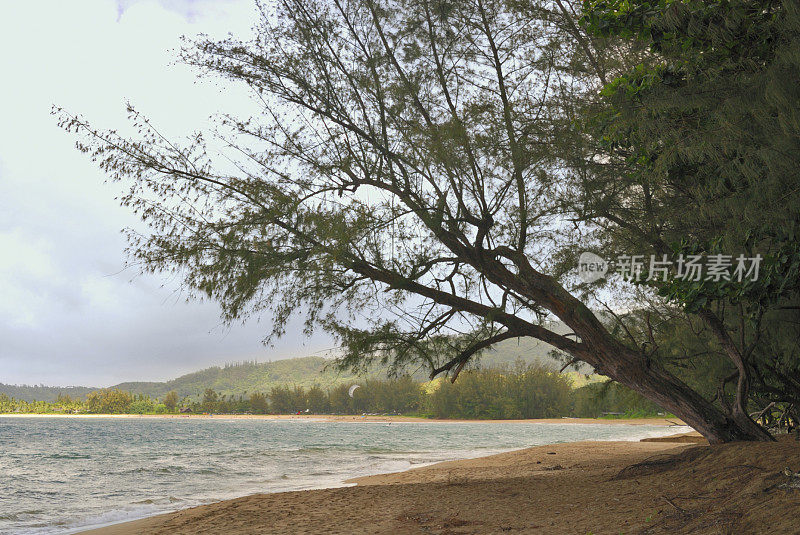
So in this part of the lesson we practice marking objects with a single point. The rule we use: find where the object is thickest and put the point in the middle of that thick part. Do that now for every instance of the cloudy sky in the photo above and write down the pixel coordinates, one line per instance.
(69, 313)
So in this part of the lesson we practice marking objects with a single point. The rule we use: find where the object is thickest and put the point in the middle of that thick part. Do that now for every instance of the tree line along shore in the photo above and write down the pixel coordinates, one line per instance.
(519, 392)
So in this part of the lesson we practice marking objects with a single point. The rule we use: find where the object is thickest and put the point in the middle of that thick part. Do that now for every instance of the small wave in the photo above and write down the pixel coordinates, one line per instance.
(147, 470)
(383, 450)
(170, 469)
(158, 501)
(211, 471)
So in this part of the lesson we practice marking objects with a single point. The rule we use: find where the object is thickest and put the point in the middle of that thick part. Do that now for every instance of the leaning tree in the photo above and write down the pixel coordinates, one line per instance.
(400, 187)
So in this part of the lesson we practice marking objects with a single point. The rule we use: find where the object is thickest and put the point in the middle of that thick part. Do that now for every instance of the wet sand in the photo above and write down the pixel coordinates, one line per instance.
(584, 487)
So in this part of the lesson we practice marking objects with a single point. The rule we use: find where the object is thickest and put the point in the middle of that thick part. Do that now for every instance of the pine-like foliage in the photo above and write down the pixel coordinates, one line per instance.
(698, 151)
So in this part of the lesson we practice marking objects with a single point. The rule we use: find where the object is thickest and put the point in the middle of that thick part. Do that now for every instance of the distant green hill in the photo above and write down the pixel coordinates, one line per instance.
(43, 393)
(528, 350)
(236, 379)
(247, 377)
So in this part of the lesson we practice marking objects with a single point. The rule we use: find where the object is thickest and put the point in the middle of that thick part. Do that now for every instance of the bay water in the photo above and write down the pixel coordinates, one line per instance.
(61, 475)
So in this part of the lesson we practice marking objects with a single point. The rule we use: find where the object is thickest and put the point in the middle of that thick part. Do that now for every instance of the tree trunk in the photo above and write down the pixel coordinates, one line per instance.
(737, 357)
(636, 371)
(663, 388)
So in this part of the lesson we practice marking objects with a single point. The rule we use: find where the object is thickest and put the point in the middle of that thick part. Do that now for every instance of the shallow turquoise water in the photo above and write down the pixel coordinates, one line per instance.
(61, 475)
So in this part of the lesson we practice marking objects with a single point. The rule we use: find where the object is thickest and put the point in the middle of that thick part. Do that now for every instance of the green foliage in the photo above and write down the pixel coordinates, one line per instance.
(709, 122)
(245, 377)
(340, 400)
(108, 401)
(525, 392)
(451, 144)
(592, 400)
(702, 143)
(411, 196)
(522, 391)
(171, 401)
(398, 396)
(698, 31)
(317, 399)
(259, 403)
(241, 379)
(708, 125)
(282, 400)
(43, 393)
(141, 405)
(210, 399)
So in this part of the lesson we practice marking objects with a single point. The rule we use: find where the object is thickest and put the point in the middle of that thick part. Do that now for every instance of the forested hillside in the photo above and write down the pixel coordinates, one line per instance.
(43, 393)
(246, 377)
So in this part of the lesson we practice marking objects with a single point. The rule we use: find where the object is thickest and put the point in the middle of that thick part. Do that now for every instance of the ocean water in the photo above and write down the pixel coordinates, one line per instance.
(60, 475)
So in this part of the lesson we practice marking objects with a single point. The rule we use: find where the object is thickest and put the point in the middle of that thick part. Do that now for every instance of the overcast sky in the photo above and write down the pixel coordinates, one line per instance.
(69, 314)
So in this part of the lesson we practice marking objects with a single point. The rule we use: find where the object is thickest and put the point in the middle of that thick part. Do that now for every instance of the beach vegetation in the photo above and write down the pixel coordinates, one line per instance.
(171, 401)
(108, 401)
(521, 391)
(259, 403)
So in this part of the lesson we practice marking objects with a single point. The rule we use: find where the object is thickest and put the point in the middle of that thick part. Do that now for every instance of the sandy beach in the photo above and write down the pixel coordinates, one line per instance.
(677, 485)
(361, 418)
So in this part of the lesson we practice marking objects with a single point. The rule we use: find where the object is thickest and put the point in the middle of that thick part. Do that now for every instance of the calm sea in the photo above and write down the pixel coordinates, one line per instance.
(61, 475)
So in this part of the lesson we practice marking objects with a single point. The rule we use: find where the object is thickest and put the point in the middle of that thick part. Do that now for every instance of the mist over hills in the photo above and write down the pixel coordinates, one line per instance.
(247, 377)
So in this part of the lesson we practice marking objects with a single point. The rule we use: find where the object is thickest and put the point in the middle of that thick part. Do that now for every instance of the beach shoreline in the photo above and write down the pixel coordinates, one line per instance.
(136, 525)
(667, 422)
(580, 487)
